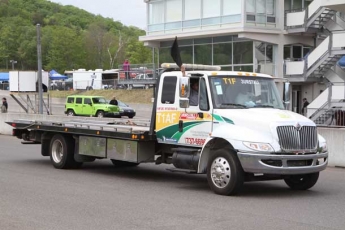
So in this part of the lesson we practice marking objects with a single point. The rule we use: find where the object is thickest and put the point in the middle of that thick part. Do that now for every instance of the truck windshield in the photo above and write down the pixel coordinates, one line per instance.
(244, 92)
(99, 100)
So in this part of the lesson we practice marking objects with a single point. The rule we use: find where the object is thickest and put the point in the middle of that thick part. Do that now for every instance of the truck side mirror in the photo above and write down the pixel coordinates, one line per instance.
(184, 103)
(286, 95)
(184, 87)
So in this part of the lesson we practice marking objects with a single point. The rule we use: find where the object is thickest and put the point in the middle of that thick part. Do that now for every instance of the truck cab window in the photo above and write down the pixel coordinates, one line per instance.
(203, 96)
(169, 90)
(194, 92)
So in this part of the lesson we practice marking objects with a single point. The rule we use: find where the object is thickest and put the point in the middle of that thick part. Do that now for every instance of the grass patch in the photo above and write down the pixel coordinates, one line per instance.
(129, 96)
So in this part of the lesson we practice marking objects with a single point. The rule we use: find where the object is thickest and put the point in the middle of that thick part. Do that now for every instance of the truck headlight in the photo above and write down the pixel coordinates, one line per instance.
(322, 147)
(259, 146)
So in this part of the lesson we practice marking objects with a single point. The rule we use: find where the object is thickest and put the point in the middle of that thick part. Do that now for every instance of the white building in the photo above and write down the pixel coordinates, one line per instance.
(301, 40)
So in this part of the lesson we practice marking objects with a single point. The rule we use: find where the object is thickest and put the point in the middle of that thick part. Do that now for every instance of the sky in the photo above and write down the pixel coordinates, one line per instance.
(128, 12)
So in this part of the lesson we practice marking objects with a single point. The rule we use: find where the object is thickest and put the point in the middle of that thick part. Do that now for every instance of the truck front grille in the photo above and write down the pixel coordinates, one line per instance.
(297, 139)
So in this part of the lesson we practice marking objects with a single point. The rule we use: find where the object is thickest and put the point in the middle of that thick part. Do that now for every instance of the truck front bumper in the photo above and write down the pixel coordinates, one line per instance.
(282, 164)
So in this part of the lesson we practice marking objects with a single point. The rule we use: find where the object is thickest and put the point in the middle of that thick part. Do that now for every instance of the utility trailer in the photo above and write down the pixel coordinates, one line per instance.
(238, 131)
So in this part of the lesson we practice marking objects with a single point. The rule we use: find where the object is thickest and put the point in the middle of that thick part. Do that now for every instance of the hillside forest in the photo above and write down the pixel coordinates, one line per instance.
(71, 38)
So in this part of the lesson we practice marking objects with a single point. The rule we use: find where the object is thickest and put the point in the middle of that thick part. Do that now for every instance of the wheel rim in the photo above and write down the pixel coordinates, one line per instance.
(100, 115)
(57, 151)
(220, 172)
(70, 113)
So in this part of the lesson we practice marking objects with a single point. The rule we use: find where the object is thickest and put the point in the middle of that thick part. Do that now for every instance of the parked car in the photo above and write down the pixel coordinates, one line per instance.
(141, 84)
(96, 106)
(125, 110)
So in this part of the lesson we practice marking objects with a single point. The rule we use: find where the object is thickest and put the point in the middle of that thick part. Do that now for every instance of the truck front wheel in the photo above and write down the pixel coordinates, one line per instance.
(302, 182)
(62, 152)
(225, 175)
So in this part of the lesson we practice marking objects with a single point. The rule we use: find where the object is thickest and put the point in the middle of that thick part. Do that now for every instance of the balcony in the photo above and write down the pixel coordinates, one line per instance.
(315, 16)
(320, 60)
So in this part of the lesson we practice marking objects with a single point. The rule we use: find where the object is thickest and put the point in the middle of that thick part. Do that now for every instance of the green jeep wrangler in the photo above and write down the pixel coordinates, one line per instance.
(90, 106)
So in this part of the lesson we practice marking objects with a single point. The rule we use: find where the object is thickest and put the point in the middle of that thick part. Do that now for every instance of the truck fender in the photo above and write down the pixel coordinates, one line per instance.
(211, 144)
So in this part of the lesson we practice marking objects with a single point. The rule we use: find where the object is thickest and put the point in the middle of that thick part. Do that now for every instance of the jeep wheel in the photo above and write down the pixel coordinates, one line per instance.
(70, 112)
(100, 114)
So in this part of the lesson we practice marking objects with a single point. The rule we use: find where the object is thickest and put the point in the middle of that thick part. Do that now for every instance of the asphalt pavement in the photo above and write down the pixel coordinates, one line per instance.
(35, 196)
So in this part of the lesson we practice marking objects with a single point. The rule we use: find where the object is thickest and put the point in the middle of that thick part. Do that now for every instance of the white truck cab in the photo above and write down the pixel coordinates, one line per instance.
(238, 127)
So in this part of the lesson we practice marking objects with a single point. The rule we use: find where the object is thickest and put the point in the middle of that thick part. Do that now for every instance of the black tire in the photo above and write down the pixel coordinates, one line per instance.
(119, 164)
(70, 112)
(61, 152)
(302, 182)
(130, 117)
(225, 175)
(100, 114)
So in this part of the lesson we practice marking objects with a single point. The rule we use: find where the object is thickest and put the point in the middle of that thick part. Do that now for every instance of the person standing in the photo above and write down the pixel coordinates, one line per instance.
(113, 101)
(126, 68)
(304, 107)
(4, 105)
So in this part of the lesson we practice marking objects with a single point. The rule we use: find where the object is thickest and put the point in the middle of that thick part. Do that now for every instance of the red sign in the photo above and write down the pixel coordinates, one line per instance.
(188, 116)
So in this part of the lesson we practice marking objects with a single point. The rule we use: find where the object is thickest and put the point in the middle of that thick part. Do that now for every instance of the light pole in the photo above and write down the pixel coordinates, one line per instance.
(13, 62)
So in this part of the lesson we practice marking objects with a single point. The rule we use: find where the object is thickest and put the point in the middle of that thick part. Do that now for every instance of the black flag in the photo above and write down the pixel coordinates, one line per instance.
(175, 53)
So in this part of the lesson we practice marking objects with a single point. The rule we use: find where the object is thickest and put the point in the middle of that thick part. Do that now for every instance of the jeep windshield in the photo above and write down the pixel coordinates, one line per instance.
(242, 92)
(99, 100)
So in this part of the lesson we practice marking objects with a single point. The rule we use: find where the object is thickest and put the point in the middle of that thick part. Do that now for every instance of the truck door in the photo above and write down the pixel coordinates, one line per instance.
(177, 123)
(195, 121)
(167, 114)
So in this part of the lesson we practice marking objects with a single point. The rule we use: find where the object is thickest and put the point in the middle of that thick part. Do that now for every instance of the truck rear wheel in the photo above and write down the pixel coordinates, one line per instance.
(118, 163)
(302, 182)
(225, 175)
(62, 152)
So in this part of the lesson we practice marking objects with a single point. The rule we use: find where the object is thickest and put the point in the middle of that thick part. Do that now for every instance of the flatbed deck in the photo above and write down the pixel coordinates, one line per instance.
(131, 129)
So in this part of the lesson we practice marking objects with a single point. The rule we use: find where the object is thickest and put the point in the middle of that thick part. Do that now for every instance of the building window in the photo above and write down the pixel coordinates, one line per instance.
(211, 8)
(177, 14)
(156, 12)
(222, 54)
(192, 9)
(260, 12)
(243, 52)
(229, 52)
(169, 89)
(203, 54)
(173, 10)
(264, 62)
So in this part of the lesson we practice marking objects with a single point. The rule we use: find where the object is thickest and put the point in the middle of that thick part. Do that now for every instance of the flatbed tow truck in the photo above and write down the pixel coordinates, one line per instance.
(237, 132)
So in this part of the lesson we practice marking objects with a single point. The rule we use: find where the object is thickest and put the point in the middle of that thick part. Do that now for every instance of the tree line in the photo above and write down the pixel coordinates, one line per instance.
(71, 38)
